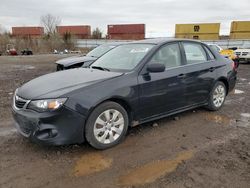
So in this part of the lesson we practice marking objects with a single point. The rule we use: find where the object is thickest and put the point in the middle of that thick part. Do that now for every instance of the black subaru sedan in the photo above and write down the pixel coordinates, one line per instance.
(132, 84)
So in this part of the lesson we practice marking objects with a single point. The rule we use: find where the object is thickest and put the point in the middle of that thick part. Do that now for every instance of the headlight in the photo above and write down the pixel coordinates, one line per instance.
(46, 104)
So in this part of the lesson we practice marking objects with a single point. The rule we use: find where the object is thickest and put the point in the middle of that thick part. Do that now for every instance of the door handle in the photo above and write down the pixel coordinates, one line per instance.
(211, 69)
(181, 76)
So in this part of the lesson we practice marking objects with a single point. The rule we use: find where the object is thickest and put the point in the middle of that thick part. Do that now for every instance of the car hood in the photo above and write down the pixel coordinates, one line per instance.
(74, 60)
(59, 83)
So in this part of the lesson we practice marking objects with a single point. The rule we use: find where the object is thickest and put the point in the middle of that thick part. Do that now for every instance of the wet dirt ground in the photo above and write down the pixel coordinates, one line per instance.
(197, 148)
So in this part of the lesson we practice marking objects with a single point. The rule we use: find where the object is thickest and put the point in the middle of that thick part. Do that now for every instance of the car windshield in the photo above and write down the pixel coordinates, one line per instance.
(100, 50)
(124, 57)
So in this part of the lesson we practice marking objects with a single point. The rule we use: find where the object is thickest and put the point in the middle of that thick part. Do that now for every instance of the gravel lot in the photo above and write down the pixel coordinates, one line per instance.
(197, 148)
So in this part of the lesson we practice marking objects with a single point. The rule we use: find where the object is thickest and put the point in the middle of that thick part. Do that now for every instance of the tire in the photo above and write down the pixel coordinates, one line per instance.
(99, 135)
(215, 102)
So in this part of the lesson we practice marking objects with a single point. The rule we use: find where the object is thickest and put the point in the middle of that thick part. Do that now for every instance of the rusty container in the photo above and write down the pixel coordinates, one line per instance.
(126, 29)
(80, 31)
(27, 31)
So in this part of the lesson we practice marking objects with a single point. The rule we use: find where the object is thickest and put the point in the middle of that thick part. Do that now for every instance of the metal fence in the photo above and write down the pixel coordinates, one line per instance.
(91, 43)
(230, 43)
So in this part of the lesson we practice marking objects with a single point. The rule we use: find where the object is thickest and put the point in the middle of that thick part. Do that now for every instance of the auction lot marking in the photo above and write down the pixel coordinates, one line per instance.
(152, 171)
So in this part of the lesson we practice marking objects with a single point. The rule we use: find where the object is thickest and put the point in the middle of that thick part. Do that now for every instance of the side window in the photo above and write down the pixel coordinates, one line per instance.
(194, 53)
(210, 54)
(168, 55)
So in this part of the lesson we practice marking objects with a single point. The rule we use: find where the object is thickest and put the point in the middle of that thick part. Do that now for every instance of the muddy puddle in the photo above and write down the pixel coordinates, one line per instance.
(91, 163)
(152, 171)
(220, 119)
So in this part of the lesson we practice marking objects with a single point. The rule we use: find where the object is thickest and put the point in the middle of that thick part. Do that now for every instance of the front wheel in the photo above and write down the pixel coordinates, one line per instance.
(107, 125)
(217, 96)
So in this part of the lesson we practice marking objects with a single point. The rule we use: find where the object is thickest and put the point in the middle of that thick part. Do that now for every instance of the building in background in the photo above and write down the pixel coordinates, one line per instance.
(201, 31)
(79, 31)
(28, 32)
(240, 30)
(126, 32)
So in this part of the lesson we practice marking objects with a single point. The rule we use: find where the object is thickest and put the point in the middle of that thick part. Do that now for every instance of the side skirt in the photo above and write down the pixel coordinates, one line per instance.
(160, 116)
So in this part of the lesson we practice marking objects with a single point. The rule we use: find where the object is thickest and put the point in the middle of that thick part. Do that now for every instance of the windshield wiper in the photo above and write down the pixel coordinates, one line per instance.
(100, 68)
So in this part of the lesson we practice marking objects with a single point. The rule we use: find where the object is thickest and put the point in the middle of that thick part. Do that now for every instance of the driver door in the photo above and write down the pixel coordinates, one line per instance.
(163, 92)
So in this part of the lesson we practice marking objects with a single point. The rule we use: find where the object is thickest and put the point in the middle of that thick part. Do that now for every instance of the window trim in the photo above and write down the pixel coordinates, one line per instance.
(206, 48)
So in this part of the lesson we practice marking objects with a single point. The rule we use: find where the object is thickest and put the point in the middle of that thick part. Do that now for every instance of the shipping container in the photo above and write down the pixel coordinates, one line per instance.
(208, 28)
(240, 26)
(27, 31)
(240, 35)
(126, 29)
(198, 36)
(80, 31)
(127, 36)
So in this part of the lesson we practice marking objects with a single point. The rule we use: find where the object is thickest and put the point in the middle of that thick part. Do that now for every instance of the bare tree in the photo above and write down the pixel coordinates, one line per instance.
(97, 33)
(49, 23)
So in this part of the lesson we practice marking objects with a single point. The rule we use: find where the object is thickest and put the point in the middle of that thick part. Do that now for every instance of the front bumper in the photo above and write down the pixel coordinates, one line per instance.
(61, 127)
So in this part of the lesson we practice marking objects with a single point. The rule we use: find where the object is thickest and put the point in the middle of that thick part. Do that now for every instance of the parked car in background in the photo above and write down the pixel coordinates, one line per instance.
(132, 84)
(228, 53)
(27, 51)
(243, 54)
(79, 61)
(10, 50)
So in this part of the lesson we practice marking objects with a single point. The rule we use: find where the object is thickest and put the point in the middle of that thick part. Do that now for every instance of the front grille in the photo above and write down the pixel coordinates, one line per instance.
(237, 53)
(20, 102)
(244, 53)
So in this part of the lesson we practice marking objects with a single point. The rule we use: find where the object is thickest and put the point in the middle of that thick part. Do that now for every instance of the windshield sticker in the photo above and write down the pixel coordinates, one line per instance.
(139, 50)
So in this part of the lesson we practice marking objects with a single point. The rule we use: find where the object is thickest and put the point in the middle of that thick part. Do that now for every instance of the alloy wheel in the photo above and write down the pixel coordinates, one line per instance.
(109, 126)
(219, 96)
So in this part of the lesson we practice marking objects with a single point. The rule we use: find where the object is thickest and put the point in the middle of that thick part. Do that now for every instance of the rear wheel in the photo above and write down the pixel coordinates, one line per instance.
(107, 125)
(217, 96)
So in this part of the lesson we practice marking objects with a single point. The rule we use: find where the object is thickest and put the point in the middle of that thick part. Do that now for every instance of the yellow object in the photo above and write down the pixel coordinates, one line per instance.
(240, 30)
(209, 31)
(198, 36)
(229, 53)
(208, 28)
(240, 35)
(240, 26)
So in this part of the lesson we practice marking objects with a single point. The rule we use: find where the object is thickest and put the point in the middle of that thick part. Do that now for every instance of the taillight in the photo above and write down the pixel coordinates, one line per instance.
(234, 65)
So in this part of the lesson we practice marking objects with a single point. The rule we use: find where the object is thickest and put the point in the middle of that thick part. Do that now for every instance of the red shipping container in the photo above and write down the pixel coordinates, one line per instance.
(81, 30)
(131, 36)
(126, 29)
(27, 31)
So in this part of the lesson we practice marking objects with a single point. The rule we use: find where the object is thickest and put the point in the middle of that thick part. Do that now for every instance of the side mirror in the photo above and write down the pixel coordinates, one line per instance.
(156, 67)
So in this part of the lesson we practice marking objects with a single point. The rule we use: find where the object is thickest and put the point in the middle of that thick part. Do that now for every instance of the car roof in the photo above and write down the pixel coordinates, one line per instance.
(162, 40)
(113, 43)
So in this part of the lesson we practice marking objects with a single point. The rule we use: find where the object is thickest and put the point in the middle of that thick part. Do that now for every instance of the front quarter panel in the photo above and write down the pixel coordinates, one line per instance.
(121, 88)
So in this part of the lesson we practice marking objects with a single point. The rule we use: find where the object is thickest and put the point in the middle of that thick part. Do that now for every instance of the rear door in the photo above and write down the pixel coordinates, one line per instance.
(200, 72)
(163, 92)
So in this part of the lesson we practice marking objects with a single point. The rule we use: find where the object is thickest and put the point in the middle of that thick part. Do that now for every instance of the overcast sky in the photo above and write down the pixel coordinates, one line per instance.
(160, 16)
